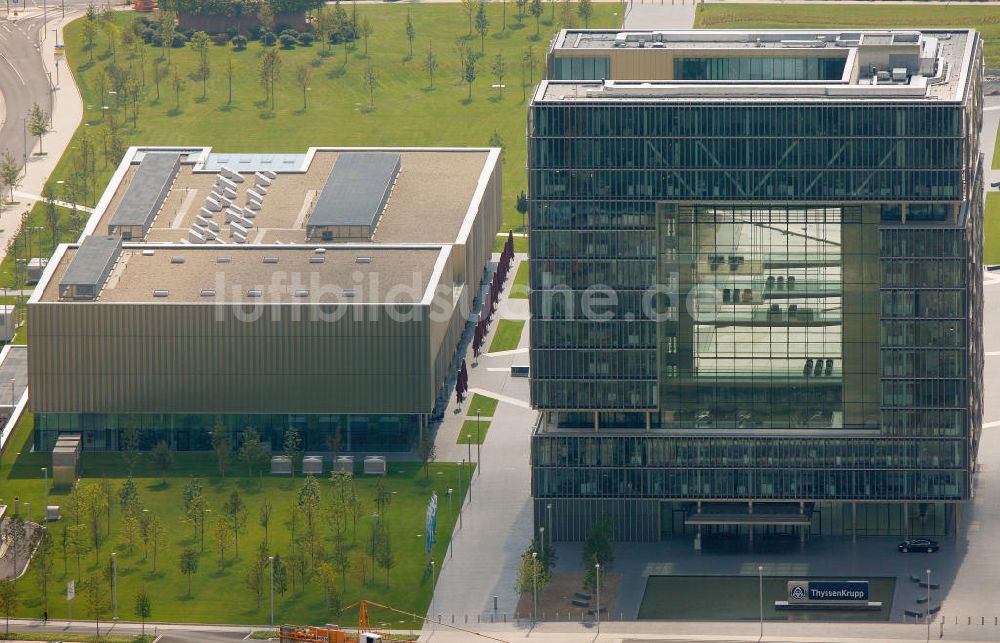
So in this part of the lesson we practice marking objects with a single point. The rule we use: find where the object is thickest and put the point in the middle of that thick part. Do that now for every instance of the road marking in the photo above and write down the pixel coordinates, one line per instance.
(7, 60)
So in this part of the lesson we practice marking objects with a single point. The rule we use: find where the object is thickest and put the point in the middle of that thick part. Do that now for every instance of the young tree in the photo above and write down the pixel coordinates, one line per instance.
(229, 78)
(566, 14)
(340, 558)
(234, 512)
(128, 498)
(253, 453)
(367, 29)
(372, 83)
(586, 10)
(426, 451)
(129, 531)
(143, 607)
(482, 26)
(411, 32)
(469, 7)
(334, 441)
(265, 17)
(10, 173)
(503, 18)
(79, 544)
(130, 446)
(38, 123)
(280, 575)
(134, 92)
(93, 505)
(499, 68)
(163, 457)
(200, 42)
(220, 445)
(167, 29)
(14, 535)
(521, 6)
(535, 9)
(157, 537)
(223, 539)
(293, 448)
(178, 83)
(309, 503)
(264, 517)
(8, 600)
(384, 555)
(159, 73)
(430, 64)
(531, 573)
(89, 35)
(51, 211)
(302, 74)
(269, 71)
(43, 563)
(325, 25)
(469, 71)
(194, 515)
(108, 490)
(95, 600)
(597, 547)
(328, 579)
(189, 565)
(254, 577)
(359, 566)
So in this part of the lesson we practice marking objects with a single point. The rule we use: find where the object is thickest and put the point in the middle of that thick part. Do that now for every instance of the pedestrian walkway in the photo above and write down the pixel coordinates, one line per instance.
(660, 14)
(497, 517)
(63, 204)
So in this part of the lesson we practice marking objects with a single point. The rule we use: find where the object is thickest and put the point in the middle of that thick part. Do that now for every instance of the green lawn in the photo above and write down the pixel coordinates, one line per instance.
(991, 250)
(75, 638)
(469, 433)
(520, 244)
(507, 335)
(486, 406)
(870, 15)
(519, 288)
(407, 110)
(220, 595)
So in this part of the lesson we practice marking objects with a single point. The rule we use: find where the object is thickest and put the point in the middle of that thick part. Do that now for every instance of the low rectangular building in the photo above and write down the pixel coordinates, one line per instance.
(262, 326)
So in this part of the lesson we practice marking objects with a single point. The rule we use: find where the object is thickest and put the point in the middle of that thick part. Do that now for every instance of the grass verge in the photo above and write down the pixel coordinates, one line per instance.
(991, 248)
(486, 406)
(507, 335)
(519, 287)
(471, 435)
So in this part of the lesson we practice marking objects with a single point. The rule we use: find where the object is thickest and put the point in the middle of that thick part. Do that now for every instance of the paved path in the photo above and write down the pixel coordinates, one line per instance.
(496, 523)
(676, 14)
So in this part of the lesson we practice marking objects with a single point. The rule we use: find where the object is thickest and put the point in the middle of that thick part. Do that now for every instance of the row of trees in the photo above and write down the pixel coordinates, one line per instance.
(534, 570)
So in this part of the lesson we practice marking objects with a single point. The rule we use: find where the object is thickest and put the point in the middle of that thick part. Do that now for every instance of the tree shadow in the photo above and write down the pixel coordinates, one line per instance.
(227, 108)
(175, 112)
(201, 99)
(427, 90)
(466, 101)
(267, 116)
(495, 99)
(366, 109)
(333, 74)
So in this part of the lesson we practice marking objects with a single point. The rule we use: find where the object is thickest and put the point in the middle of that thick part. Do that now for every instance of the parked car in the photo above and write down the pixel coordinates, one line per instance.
(919, 544)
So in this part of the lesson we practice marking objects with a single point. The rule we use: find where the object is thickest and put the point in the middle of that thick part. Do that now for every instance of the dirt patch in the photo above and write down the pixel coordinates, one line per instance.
(555, 602)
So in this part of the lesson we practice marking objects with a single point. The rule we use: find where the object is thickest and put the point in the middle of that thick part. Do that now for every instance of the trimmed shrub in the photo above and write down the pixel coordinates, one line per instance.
(179, 40)
(306, 39)
(287, 41)
(239, 42)
(269, 39)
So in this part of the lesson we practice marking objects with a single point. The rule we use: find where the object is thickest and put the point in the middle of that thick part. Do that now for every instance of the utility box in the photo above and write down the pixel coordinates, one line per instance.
(344, 463)
(66, 460)
(8, 325)
(312, 465)
(281, 465)
(375, 465)
(36, 266)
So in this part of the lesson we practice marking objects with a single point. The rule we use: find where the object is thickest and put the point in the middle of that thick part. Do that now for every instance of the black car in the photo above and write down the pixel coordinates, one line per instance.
(919, 544)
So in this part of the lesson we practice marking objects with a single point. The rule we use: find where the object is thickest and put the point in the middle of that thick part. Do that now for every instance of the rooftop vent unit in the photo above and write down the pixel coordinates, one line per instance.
(255, 292)
(363, 260)
(301, 293)
(223, 260)
(176, 259)
(317, 259)
(148, 253)
(270, 260)
(161, 293)
(208, 292)
(349, 293)
(319, 251)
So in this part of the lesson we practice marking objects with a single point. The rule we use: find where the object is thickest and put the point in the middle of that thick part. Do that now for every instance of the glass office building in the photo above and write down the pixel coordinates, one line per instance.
(756, 282)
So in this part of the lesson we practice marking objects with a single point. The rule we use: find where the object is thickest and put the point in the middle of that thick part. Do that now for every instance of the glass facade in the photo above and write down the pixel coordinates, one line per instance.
(582, 67)
(754, 301)
(103, 432)
(759, 68)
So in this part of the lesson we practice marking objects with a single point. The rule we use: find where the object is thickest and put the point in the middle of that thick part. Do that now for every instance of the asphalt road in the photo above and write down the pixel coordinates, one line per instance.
(23, 80)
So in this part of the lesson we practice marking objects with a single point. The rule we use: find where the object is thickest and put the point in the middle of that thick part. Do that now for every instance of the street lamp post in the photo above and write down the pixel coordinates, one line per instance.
(597, 576)
(27, 509)
(928, 619)
(760, 596)
(542, 537)
(114, 582)
(270, 559)
(451, 523)
(433, 583)
(479, 445)
(45, 507)
(534, 586)
(461, 498)
(374, 529)
(548, 521)
(468, 442)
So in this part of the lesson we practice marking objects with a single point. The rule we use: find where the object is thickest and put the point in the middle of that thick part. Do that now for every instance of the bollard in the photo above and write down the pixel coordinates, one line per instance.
(982, 620)
(505, 618)
(970, 621)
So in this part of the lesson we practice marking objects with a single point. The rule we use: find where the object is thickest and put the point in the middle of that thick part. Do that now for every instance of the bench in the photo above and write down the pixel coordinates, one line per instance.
(578, 603)
(583, 596)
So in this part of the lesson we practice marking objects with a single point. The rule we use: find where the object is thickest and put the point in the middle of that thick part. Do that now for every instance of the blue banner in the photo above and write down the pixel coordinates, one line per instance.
(430, 522)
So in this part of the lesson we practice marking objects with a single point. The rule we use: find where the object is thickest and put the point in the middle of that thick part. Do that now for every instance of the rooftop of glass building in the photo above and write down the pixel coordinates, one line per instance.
(901, 64)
